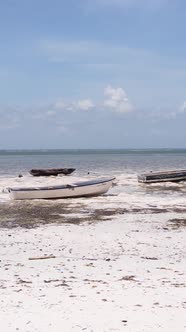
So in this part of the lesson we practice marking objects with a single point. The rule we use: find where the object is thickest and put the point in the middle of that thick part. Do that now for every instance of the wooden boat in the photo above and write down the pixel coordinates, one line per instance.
(51, 171)
(165, 176)
(79, 189)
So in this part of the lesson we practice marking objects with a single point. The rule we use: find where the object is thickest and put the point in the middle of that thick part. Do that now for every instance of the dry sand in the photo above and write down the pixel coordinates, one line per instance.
(124, 274)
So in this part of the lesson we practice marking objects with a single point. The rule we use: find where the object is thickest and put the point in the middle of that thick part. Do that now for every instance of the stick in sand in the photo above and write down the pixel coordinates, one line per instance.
(41, 257)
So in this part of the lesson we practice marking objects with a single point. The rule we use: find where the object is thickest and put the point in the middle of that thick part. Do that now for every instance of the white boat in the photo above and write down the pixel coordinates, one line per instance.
(79, 189)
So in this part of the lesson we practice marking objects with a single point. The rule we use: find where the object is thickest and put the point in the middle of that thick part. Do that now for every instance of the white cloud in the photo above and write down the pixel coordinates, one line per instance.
(85, 104)
(60, 104)
(117, 100)
(51, 113)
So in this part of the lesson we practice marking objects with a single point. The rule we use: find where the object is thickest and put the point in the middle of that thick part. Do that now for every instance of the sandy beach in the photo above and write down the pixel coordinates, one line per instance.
(125, 273)
(96, 88)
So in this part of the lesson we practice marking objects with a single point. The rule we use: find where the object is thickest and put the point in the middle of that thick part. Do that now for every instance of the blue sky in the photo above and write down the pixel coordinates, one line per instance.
(92, 74)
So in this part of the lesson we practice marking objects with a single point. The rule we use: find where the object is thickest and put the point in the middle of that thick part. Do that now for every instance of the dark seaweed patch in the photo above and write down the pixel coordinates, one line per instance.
(177, 223)
(30, 214)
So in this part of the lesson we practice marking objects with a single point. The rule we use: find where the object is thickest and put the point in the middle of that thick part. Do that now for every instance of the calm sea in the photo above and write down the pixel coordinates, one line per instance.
(103, 162)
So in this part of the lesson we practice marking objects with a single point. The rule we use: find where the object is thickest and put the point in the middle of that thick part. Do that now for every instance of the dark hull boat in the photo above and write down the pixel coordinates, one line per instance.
(165, 176)
(51, 171)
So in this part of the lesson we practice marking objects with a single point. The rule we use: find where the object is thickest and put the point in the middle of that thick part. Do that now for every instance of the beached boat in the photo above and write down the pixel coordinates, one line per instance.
(79, 189)
(51, 171)
(164, 176)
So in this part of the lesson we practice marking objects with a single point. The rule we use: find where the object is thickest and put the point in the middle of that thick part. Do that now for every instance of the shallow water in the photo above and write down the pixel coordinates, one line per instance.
(126, 195)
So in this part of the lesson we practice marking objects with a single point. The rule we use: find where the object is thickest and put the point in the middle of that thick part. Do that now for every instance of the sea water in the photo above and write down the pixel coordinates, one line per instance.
(124, 165)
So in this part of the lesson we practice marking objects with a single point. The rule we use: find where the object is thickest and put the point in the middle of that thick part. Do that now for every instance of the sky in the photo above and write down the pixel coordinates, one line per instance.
(92, 74)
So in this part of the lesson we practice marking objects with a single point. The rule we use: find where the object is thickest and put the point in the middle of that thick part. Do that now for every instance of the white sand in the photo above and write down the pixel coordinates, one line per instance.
(127, 274)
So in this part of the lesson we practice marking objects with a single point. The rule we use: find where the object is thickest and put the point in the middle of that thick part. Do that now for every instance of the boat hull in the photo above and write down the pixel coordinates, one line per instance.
(51, 171)
(165, 176)
(83, 189)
